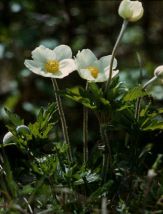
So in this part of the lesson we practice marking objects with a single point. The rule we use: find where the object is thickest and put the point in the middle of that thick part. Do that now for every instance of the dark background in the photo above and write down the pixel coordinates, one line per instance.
(94, 24)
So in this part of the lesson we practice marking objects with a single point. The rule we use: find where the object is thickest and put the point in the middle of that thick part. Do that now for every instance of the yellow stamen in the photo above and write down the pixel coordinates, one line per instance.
(52, 66)
(93, 70)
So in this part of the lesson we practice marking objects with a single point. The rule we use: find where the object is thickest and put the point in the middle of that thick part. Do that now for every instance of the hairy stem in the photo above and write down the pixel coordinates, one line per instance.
(63, 120)
(107, 153)
(104, 209)
(105, 165)
(149, 82)
(85, 132)
(123, 28)
(137, 108)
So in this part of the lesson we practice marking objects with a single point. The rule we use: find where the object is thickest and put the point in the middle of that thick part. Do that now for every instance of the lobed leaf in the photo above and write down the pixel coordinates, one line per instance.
(134, 94)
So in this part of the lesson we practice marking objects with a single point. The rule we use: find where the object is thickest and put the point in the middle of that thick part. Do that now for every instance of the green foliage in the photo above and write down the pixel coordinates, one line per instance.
(14, 119)
(35, 175)
(43, 125)
(92, 98)
(52, 185)
(34, 135)
(50, 180)
(134, 94)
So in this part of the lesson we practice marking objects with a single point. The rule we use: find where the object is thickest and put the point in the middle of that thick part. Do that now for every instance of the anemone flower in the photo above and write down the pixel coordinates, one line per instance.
(56, 63)
(93, 69)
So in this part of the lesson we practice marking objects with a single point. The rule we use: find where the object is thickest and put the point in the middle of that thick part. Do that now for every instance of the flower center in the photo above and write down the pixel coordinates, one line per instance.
(93, 70)
(52, 66)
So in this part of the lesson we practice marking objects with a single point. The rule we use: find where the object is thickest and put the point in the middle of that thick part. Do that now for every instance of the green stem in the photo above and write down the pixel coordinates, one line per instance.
(107, 159)
(137, 108)
(105, 165)
(123, 28)
(138, 102)
(85, 132)
(63, 120)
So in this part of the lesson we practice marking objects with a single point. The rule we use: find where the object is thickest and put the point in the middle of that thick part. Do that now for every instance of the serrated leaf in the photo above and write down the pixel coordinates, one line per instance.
(78, 94)
(91, 98)
(134, 94)
(101, 190)
(96, 91)
(155, 125)
(89, 177)
(43, 126)
(14, 118)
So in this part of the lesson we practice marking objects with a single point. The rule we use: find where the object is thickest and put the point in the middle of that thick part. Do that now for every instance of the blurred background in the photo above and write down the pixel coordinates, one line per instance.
(93, 24)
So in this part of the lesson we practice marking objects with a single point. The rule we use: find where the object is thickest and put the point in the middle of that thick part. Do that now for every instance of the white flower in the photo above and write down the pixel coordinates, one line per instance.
(158, 72)
(93, 69)
(131, 10)
(56, 63)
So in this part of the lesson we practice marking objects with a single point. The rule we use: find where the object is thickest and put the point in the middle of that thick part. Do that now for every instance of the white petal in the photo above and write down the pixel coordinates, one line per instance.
(114, 72)
(138, 11)
(67, 66)
(101, 78)
(105, 61)
(63, 52)
(41, 54)
(85, 58)
(85, 74)
(125, 10)
(32, 66)
(131, 10)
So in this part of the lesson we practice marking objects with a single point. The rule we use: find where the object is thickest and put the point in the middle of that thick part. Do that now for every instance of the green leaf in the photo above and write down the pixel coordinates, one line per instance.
(91, 98)
(155, 125)
(78, 94)
(43, 125)
(96, 91)
(134, 94)
(124, 120)
(89, 176)
(9, 178)
(45, 165)
(146, 150)
(14, 118)
(27, 189)
(101, 190)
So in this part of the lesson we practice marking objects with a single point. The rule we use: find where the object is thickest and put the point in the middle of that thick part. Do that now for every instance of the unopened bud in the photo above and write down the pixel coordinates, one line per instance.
(8, 138)
(131, 10)
(158, 72)
(22, 129)
(151, 173)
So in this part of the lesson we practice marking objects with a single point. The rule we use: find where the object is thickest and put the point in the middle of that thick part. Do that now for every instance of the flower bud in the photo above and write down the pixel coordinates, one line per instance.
(8, 138)
(151, 173)
(131, 10)
(158, 72)
(22, 129)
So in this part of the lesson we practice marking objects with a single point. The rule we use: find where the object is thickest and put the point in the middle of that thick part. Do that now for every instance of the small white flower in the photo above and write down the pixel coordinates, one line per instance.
(131, 10)
(56, 63)
(158, 72)
(93, 69)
